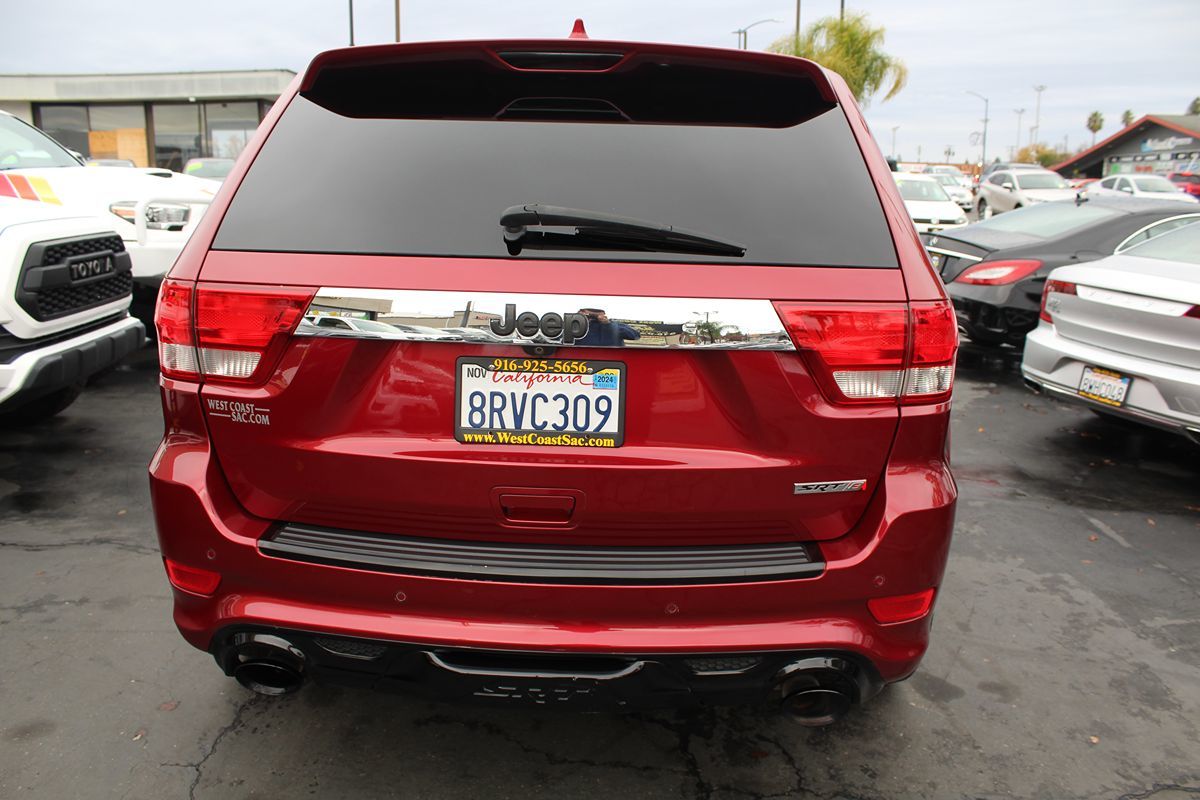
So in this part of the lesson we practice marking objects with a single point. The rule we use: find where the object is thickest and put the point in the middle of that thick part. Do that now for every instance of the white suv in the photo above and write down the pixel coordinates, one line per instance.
(65, 284)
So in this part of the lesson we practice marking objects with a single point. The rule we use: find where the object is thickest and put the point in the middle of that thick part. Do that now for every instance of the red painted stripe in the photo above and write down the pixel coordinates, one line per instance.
(21, 184)
(6, 188)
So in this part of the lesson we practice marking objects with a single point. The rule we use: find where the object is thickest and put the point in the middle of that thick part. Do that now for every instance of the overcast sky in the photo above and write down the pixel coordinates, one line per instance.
(1106, 55)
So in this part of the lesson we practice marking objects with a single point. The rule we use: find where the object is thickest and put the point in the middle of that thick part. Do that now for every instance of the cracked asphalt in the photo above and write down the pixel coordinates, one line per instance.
(1065, 660)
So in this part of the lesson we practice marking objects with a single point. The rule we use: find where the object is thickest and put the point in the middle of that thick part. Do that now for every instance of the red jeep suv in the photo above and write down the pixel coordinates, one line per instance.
(579, 373)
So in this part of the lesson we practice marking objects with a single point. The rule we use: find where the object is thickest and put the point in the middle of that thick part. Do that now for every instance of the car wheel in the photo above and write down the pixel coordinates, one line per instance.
(42, 408)
(984, 210)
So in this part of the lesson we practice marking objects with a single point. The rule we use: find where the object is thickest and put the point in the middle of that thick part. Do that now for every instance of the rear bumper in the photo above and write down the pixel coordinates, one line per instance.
(66, 362)
(898, 547)
(573, 682)
(1159, 395)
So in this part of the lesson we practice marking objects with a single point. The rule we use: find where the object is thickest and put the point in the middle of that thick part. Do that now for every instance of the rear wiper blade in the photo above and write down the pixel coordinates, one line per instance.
(598, 230)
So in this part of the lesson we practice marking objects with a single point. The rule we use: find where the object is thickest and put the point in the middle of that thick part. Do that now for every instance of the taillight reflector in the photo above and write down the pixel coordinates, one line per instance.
(900, 608)
(993, 273)
(192, 579)
(1053, 287)
(229, 333)
(877, 352)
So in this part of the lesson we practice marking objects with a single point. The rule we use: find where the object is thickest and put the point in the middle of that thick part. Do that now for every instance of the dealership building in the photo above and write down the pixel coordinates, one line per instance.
(152, 119)
(1156, 143)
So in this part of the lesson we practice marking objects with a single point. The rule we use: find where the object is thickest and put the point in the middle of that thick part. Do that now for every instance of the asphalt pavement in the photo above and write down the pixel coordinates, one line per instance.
(1065, 660)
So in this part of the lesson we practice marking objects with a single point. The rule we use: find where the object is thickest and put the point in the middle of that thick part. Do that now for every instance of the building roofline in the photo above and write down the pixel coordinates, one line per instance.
(1137, 123)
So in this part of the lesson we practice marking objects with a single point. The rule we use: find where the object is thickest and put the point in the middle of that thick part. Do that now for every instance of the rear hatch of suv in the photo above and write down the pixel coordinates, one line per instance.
(689, 329)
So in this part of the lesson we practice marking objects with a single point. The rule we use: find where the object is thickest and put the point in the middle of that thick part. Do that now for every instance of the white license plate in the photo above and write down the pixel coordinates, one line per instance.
(1104, 386)
(540, 401)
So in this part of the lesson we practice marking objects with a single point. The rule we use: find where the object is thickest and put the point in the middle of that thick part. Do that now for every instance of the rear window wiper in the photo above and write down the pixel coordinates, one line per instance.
(596, 230)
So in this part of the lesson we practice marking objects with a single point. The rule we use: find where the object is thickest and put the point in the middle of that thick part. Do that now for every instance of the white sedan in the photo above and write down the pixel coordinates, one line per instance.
(928, 204)
(1154, 187)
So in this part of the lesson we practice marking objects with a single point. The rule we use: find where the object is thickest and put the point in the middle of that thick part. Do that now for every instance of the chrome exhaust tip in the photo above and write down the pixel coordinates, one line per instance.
(817, 708)
(266, 664)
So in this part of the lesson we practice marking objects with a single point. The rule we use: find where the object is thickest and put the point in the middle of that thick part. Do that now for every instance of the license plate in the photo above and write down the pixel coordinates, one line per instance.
(90, 267)
(540, 401)
(1104, 386)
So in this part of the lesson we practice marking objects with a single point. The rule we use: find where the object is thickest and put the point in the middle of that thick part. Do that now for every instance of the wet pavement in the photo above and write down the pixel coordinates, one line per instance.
(1065, 660)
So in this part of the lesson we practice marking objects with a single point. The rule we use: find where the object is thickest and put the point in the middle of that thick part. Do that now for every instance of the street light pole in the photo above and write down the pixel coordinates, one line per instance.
(744, 33)
(1037, 114)
(894, 129)
(397, 20)
(796, 47)
(352, 23)
(1019, 113)
(983, 150)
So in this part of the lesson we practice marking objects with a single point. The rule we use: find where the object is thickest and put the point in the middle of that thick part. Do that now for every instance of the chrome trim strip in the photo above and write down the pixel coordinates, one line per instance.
(827, 487)
(514, 318)
(624, 672)
(1124, 245)
(954, 253)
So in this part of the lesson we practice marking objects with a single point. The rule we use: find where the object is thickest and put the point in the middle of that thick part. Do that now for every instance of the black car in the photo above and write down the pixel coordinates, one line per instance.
(994, 270)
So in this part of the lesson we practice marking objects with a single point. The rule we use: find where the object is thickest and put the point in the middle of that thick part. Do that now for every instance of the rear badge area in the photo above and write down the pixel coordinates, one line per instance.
(830, 487)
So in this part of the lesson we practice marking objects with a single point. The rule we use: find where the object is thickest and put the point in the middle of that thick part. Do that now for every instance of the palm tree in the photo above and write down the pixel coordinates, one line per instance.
(1127, 118)
(1095, 122)
(851, 47)
(712, 330)
(1194, 106)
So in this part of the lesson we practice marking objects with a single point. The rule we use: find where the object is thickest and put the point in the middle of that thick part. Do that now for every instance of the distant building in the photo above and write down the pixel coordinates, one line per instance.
(1156, 143)
(153, 119)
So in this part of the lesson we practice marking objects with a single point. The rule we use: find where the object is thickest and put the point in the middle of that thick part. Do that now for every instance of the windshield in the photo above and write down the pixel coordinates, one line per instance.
(371, 325)
(1185, 179)
(946, 179)
(25, 147)
(1041, 180)
(1154, 183)
(208, 167)
(1181, 244)
(911, 189)
(1047, 220)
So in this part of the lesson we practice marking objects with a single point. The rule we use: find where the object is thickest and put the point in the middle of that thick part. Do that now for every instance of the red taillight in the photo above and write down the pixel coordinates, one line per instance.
(1053, 287)
(900, 608)
(229, 333)
(877, 352)
(992, 273)
(192, 579)
(1194, 311)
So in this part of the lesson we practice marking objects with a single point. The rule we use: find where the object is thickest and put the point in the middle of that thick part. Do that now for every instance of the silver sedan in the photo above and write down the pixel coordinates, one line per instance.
(1122, 334)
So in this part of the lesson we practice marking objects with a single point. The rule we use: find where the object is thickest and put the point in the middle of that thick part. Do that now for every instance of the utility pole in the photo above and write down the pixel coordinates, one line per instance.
(352, 23)
(894, 129)
(796, 46)
(1037, 115)
(918, 154)
(397, 20)
(949, 153)
(1019, 112)
(842, 13)
(983, 151)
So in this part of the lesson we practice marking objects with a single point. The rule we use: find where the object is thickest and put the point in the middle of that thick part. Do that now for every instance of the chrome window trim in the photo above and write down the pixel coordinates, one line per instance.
(640, 322)
(1124, 245)
(956, 254)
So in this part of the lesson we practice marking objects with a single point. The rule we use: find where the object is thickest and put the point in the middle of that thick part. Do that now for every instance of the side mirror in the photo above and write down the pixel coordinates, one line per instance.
(1126, 189)
(1007, 186)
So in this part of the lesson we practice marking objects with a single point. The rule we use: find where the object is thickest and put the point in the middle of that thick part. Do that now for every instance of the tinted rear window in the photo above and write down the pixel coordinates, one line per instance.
(327, 182)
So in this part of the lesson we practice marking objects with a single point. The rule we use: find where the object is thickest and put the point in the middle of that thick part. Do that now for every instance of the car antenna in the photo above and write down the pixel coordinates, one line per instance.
(578, 32)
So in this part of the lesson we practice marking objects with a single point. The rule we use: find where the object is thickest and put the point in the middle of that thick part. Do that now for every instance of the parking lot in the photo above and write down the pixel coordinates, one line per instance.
(1065, 660)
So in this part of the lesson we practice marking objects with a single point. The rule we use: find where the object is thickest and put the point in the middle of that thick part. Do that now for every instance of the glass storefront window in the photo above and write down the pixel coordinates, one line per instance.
(68, 125)
(176, 134)
(229, 127)
(118, 132)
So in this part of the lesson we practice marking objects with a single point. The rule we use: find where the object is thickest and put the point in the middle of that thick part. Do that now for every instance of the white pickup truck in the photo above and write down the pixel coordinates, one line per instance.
(153, 210)
(65, 285)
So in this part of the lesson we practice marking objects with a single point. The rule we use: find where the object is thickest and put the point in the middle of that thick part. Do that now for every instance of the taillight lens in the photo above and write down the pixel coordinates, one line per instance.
(993, 273)
(229, 333)
(877, 352)
(1053, 287)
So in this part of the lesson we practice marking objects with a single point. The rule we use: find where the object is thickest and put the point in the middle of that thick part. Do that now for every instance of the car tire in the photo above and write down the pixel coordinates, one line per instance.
(983, 210)
(42, 408)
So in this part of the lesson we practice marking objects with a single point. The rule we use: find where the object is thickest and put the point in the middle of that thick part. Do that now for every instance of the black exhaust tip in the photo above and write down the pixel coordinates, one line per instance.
(266, 677)
(816, 708)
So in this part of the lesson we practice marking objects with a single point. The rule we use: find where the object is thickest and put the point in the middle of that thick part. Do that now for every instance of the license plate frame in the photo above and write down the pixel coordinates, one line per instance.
(548, 373)
(1096, 377)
